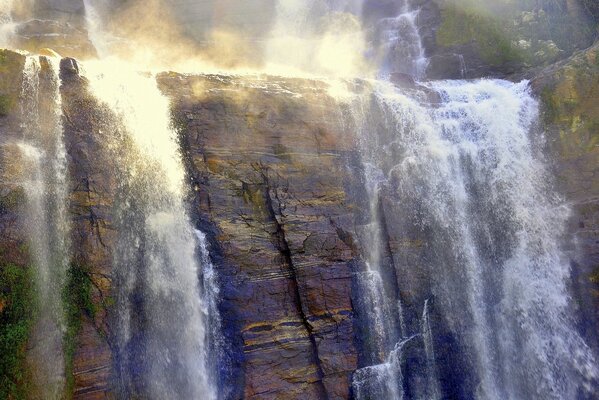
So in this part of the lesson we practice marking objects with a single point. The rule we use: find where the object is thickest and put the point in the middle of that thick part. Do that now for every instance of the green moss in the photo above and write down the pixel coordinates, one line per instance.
(16, 318)
(550, 105)
(594, 278)
(12, 200)
(77, 299)
(6, 105)
(461, 26)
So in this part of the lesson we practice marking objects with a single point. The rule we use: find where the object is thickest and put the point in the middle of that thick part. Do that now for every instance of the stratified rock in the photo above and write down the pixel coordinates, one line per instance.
(70, 11)
(92, 195)
(62, 37)
(266, 158)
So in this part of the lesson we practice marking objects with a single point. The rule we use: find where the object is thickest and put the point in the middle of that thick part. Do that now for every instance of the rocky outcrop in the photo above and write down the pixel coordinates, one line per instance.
(93, 184)
(15, 271)
(500, 38)
(569, 93)
(266, 160)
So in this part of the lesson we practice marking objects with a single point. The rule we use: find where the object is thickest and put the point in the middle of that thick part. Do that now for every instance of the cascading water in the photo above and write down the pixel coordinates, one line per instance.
(7, 26)
(94, 23)
(519, 303)
(163, 312)
(44, 179)
(432, 384)
(397, 43)
(465, 175)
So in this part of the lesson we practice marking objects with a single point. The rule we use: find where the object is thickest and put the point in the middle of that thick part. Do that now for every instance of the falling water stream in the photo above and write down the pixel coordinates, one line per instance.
(162, 310)
(465, 175)
(44, 179)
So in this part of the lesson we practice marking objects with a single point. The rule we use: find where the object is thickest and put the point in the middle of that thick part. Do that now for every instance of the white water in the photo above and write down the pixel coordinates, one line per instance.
(496, 269)
(44, 179)
(433, 391)
(7, 25)
(382, 381)
(401, 48)
(94, 22)
(162, 310)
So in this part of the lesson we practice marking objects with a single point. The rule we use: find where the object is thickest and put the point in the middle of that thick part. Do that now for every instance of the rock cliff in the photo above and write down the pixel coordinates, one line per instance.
(274, 182)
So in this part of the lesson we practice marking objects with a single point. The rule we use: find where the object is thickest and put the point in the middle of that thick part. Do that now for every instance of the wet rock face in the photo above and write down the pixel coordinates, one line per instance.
(12, 195)
(570, 117)
(266, 161)
(93, 184)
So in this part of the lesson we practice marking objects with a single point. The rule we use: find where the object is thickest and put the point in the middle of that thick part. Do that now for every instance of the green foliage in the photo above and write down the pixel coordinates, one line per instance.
(594, 278)
(16, 318)
(77, 300)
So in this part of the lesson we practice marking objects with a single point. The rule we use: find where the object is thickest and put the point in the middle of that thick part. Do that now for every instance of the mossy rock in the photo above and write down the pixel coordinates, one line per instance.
(11, 76)
(78, 302)
(462, 26)
(570, 98)
(513, 35)
(12, 200)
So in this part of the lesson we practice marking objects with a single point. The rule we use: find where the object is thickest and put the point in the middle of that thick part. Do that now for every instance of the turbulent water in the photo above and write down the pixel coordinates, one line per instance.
(465, 182)
(44, 179)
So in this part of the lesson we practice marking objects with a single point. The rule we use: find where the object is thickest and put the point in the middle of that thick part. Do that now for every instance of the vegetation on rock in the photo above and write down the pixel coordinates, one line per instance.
(16, 317)
(77, 299)
(523, 33)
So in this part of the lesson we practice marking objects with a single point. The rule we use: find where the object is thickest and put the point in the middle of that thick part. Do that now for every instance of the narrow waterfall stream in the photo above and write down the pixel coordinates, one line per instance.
(7, 25)
(44, 175)
(397, 45)
(162, 310)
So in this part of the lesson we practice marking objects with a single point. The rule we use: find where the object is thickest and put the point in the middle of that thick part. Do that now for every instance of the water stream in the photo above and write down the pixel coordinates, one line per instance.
(44, 179)
(163, 311)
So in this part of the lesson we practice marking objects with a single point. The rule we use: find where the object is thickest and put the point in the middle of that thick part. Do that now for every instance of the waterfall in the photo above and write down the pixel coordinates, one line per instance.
(44, 179)
(162, 310)
(399, 44)
(94, 23)
(382, 381)
(467, 176)
(7, 26)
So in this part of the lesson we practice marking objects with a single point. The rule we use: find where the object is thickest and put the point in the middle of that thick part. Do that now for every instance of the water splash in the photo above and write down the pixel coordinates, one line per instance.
(44, 180)
(382, 381)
